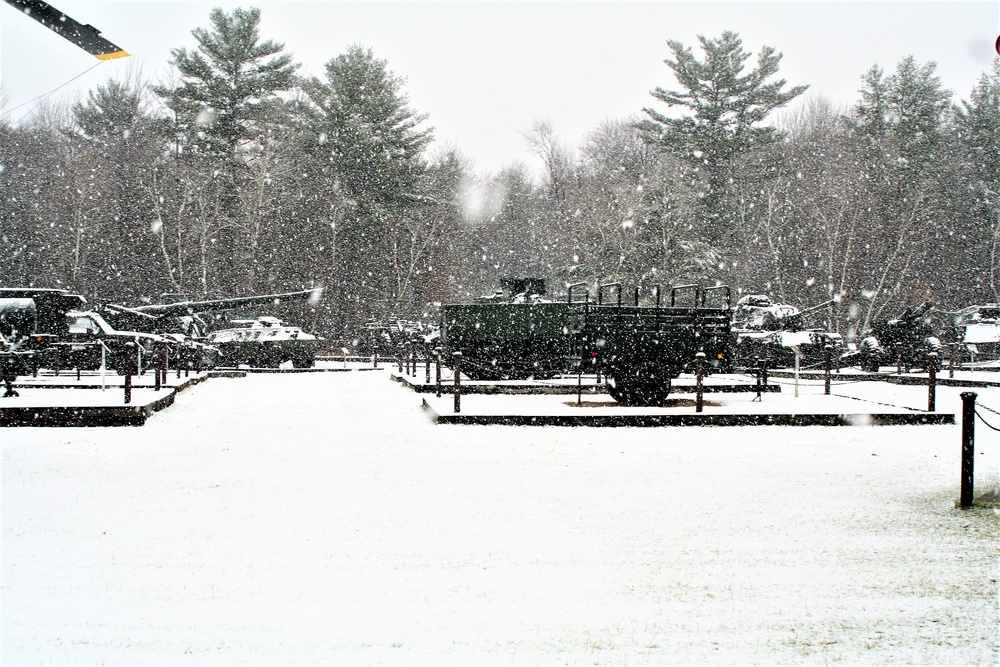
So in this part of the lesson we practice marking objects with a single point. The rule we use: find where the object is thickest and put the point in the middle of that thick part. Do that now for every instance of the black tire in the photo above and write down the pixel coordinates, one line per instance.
(303, 362)
(643, 386)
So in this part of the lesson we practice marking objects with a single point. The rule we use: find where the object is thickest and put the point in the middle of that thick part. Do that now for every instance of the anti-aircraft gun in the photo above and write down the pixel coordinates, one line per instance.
(778, 330)
(179, 319)
(905, 340)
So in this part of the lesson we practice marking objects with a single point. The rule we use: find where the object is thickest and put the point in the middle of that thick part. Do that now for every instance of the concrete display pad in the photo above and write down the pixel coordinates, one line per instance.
(62, 400)
(567, 385)
(808, 406)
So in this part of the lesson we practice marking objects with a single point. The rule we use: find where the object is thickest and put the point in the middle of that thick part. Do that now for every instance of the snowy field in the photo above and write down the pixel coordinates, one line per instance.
(319, 519)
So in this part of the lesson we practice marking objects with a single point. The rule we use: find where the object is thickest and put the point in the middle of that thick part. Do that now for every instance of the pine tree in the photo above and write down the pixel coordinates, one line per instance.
(225, 104)
(725, 107)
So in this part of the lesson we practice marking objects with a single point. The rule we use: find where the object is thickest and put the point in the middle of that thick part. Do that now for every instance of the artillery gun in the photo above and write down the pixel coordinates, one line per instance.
(774, 331)
(905, 340)
(179, 321)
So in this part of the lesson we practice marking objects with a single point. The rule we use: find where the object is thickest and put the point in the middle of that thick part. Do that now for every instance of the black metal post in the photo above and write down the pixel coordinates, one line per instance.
(427, 365)
(161, 368)
(399, 357)
(932, 362)
(127, 362)
(827, 350)
(699, 363)
(160, 360)
(437, 371)
(375, 358)
(457, 365)
(968, 445)
(952, 350)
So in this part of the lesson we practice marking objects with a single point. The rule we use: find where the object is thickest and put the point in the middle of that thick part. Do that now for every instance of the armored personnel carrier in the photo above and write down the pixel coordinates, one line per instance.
(264, 342)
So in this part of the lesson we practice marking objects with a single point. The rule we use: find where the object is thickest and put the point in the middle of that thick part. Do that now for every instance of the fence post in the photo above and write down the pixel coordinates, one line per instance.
(932, 361)
(375, 358)
(457, 364)
(437, 370)
(952, 350)
(827, 350)
(427, 364)
(699, 364)
(399, 357)
(127, 362)
(158, 373)
(968, 445)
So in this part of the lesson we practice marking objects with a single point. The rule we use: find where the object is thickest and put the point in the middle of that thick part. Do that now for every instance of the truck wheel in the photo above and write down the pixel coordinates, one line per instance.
(303, 362)
(639, 386)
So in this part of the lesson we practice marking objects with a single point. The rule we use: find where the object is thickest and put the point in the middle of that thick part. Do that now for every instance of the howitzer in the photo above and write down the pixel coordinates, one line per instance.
(182, 316)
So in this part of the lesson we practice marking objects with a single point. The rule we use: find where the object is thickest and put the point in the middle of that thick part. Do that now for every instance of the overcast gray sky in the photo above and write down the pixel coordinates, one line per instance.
(486, 71)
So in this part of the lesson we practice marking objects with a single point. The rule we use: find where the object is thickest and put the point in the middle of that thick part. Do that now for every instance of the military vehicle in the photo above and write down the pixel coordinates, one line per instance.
(778, 332)
(519, 333)
(91, 341)
(32, 323)
(905, 341)
(641, 349)
(976, 329)
(514, 334)
(384, 337)
(265, 342)
(13, 363)
(178, 319)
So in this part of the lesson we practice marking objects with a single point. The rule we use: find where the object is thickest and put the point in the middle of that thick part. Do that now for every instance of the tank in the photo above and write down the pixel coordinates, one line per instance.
(264, 342)
(777, 330)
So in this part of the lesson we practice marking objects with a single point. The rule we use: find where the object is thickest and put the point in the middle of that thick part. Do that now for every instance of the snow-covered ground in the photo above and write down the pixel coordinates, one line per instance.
(321, 518)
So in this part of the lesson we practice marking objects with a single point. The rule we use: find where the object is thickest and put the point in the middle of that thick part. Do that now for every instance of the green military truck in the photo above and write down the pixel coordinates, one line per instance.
(520, 334)
(514, 334)
(640, 349)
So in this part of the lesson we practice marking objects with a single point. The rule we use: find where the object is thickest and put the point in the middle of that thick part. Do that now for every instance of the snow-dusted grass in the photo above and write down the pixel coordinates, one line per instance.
(322, 519)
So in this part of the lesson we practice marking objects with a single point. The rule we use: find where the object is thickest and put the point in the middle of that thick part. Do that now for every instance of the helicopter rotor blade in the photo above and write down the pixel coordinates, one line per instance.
(87, 37)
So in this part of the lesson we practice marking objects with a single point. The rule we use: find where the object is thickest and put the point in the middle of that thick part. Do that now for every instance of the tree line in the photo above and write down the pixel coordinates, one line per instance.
(239, 176)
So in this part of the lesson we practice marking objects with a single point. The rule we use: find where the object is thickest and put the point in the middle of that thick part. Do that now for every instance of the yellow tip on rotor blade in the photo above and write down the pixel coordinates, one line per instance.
(111, 56)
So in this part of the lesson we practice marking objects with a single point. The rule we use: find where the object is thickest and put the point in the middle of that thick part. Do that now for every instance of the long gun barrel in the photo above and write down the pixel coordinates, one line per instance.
(192, 307)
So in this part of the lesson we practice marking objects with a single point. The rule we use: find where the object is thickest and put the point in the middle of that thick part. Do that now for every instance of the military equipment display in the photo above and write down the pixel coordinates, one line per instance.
(640, 349)
(976, 331)
(32, 323)
(515, 334)
(518, 333)
(179, 321)
(905, 341)
(92, 341)
(776, 333)
(265, 342)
